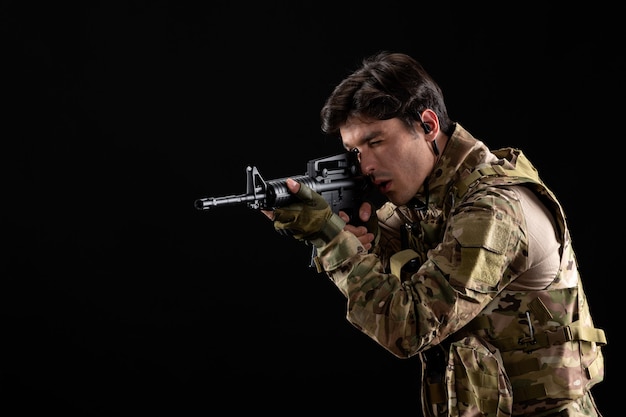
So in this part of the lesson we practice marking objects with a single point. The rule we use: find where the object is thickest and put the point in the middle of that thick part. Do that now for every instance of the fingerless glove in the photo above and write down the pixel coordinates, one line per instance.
(309, 219)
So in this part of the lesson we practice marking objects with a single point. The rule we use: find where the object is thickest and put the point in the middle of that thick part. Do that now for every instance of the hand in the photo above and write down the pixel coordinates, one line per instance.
(309, 219)
(293, 187)
(366, 236)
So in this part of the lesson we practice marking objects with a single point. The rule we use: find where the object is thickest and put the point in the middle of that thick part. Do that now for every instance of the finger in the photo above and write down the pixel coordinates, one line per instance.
(344, 216)
(358, 231)
(350, 228)
(366, 240)
(365, 211)
(367, 237)
(293, 185)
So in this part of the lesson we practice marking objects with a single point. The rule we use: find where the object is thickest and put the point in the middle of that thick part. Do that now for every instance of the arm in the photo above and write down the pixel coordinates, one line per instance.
(457, 280)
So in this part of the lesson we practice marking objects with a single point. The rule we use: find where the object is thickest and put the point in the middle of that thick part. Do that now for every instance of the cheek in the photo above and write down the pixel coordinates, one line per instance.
(407, 163)
(409, 176)
(413, 171)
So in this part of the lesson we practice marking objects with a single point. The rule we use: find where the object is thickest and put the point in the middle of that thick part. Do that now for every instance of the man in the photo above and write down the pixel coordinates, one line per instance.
(470, 265)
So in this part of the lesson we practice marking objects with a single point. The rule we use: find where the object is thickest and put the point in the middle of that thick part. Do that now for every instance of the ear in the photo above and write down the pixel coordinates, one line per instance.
(430, 123)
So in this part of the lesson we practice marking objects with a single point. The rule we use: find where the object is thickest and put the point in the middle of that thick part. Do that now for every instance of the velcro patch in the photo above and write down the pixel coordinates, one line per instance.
(484, 240)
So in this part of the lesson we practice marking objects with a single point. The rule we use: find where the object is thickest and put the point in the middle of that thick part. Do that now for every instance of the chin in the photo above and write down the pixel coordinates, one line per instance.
(395, 200)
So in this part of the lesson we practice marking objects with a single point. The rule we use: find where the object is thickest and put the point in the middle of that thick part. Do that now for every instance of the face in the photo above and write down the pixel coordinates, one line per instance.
(396, 158)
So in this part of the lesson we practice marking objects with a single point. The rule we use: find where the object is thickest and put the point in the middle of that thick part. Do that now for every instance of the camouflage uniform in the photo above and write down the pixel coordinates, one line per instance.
(438, 285)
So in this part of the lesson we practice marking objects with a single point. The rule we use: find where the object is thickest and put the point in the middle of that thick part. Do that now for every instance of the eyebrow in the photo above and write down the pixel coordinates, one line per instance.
(365, 139)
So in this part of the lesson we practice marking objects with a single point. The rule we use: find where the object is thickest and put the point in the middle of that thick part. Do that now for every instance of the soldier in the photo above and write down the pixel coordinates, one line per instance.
(469, 265)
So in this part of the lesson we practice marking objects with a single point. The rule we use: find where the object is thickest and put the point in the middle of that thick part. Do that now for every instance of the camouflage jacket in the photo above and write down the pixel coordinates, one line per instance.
(438, 283)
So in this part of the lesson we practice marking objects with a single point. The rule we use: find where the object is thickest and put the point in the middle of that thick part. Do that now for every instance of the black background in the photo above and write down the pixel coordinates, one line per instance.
(119, 298)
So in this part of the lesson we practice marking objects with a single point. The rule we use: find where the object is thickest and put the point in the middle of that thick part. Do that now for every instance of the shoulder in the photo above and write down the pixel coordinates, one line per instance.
(498, 199)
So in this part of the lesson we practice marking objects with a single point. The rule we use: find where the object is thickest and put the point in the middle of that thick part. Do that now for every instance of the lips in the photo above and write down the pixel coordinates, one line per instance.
(383, 186)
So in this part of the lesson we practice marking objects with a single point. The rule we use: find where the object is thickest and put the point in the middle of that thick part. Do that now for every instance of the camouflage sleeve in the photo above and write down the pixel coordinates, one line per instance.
(483, 242)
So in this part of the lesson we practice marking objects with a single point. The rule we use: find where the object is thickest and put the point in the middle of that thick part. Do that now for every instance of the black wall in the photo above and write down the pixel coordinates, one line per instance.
(119, 298)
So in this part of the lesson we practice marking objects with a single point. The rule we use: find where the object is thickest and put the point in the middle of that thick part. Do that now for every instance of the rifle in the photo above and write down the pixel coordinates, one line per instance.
(336, 178)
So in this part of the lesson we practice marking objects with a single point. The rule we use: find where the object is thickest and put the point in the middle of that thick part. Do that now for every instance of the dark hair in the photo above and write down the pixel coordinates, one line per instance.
(387, 85)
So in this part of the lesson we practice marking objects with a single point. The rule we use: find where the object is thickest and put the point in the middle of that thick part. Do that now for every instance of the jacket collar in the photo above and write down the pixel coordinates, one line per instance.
(462, 153)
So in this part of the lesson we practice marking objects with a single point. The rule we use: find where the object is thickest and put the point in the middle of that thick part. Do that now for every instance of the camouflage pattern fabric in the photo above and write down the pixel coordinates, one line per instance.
(506, 352)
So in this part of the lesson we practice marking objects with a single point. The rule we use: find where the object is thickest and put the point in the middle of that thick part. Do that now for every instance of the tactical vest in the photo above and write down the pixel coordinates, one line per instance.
(527, 352)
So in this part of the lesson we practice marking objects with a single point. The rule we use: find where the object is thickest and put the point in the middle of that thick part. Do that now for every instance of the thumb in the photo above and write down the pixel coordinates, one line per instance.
(365, 212)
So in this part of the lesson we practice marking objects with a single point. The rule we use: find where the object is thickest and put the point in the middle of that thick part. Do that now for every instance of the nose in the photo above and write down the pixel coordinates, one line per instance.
(366, 163)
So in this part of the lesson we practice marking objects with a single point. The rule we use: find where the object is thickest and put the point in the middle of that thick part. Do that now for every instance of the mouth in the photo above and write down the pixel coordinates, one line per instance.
(383, 186)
